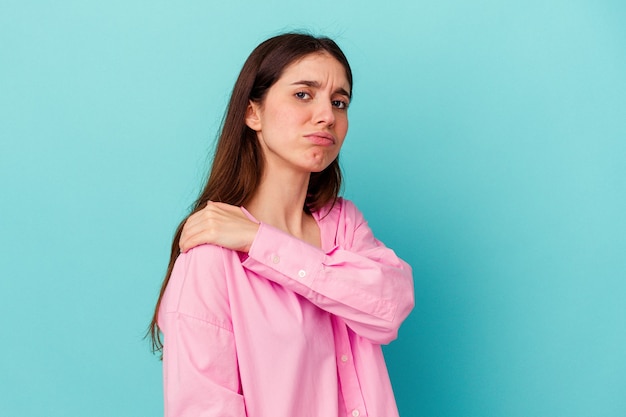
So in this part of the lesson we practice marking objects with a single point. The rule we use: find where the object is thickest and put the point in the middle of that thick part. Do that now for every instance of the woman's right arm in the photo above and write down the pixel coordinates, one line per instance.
(200, 372)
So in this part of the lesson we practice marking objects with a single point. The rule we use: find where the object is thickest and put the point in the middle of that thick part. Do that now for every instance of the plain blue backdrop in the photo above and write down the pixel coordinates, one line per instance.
(487, 146)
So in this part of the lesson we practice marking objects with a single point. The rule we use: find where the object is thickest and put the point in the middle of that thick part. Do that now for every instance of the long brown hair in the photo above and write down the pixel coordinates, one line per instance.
(238, 162)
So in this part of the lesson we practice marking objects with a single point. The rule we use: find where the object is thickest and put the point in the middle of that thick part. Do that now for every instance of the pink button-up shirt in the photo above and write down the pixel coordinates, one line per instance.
(288, 329)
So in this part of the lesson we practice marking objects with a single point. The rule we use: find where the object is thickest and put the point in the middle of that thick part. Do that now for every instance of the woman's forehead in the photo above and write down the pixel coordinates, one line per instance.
(320, 68)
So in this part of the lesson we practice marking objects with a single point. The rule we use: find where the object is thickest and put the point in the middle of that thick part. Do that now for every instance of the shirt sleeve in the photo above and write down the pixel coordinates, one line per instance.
(360, 280)
(200, 372)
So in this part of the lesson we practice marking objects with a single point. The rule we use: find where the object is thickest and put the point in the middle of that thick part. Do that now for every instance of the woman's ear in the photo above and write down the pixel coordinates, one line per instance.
(253, 119)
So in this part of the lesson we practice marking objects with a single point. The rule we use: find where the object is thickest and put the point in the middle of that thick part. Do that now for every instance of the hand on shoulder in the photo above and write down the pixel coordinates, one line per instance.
(219, 224)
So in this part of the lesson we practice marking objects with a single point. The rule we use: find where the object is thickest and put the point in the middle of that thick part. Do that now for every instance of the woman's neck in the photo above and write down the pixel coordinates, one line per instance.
(279, 202)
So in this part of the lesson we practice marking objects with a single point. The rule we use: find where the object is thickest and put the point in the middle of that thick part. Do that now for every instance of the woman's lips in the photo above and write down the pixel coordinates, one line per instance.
(321, 138)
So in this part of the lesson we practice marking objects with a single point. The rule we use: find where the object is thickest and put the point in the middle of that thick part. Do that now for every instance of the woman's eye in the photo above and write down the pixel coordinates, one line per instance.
(302, 95)
(340, 104)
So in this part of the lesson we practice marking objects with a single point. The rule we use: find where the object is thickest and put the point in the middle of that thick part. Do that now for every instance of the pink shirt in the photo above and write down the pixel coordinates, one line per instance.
(288, 329)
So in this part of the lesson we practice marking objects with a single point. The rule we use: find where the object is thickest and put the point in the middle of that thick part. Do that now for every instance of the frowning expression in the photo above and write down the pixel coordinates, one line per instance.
(303, 119)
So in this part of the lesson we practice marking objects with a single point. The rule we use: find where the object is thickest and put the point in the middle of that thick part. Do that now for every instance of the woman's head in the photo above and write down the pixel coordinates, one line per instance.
(238, 161)
(302, 120)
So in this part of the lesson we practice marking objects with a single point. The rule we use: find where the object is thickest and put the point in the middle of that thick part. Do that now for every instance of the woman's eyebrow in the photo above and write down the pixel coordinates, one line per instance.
(316, 84)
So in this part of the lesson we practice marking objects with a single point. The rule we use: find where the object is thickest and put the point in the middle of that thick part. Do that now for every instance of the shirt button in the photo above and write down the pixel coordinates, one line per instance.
(276, 259)
(344, 358)
(302, 273)
(355, 413)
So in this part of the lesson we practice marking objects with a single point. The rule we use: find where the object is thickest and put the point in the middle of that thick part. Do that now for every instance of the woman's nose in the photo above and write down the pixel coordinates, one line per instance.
(325, 113)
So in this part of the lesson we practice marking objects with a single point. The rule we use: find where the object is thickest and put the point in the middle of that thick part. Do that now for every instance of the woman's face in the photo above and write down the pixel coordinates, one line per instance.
(303, 119)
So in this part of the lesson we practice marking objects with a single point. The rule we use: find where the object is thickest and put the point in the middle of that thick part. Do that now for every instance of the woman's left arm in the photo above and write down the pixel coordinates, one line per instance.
(361, 281)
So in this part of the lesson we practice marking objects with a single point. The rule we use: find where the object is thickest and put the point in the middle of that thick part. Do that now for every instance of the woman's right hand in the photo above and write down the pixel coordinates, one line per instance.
(219, 224)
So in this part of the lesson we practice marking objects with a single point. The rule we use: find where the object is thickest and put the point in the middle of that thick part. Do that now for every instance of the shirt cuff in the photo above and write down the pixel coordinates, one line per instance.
(283, 253)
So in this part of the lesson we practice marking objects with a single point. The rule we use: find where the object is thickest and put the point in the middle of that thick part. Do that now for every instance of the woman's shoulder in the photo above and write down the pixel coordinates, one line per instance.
(199, 261)
(341, 218)
(341, 208)
(197, 285)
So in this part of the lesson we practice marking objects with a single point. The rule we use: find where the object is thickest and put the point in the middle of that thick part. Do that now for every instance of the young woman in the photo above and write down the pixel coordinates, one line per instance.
(278, 297)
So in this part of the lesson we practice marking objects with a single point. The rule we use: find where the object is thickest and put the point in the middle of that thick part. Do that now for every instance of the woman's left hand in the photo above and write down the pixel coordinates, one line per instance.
(219, 224)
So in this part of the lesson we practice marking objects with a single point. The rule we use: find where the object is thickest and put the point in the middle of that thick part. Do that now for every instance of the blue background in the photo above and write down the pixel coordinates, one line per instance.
(487, 147)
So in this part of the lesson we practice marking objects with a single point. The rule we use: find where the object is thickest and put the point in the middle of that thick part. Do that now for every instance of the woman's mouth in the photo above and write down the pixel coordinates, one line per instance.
(321, 138)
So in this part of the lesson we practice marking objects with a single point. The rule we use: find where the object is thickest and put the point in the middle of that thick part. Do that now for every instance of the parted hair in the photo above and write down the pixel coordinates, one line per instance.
(238, 159)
